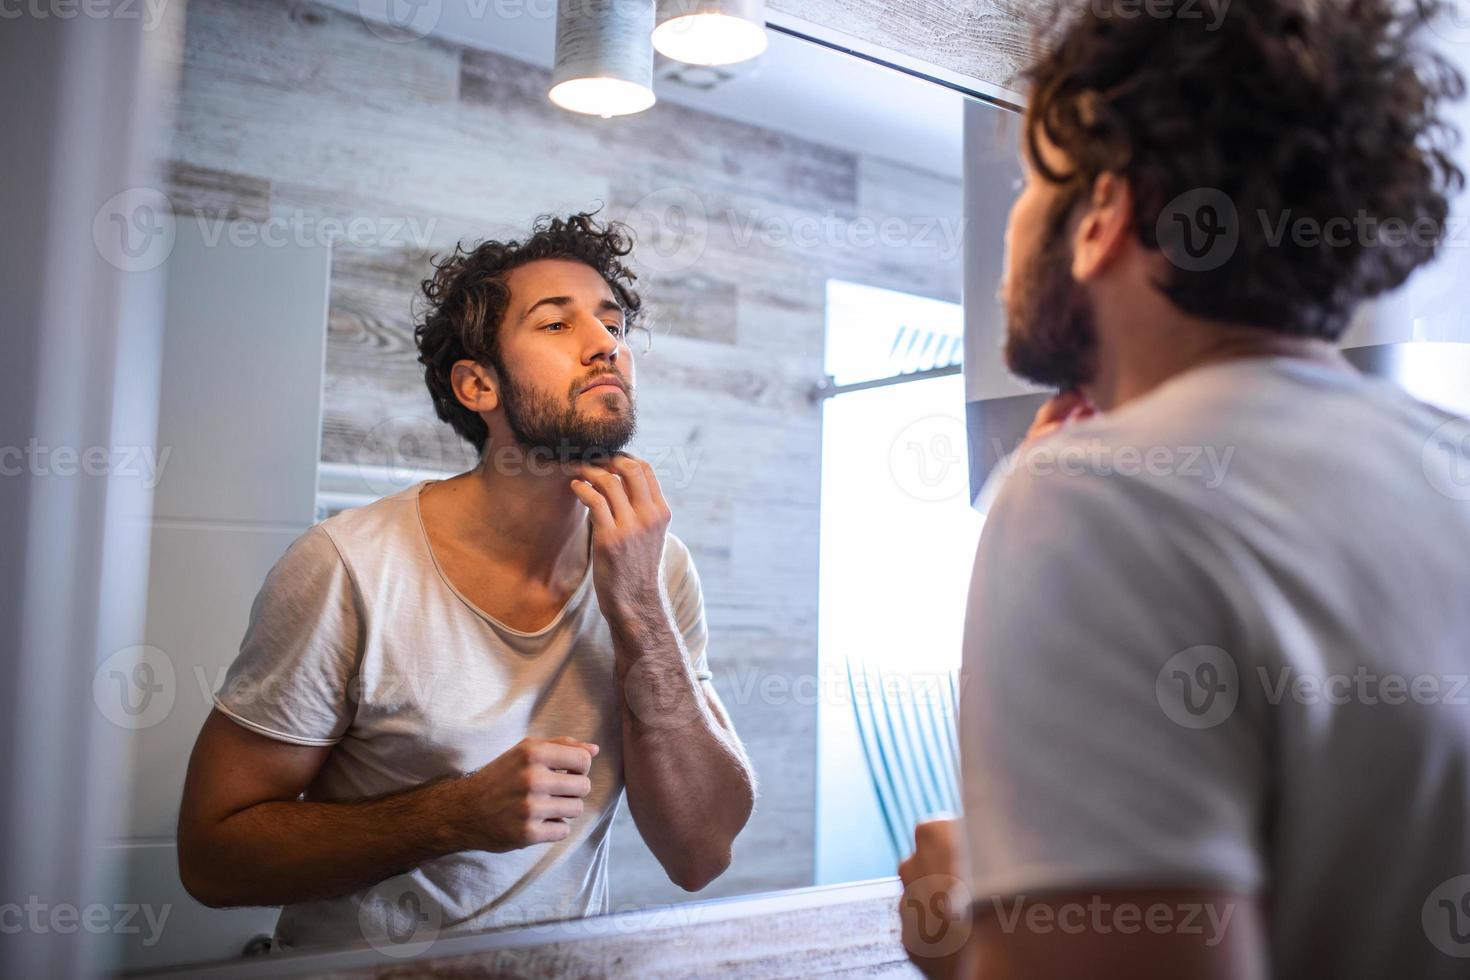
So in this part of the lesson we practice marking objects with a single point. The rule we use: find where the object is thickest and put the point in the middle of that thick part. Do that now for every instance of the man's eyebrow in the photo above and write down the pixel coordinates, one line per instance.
(604, 305)
(546, 301)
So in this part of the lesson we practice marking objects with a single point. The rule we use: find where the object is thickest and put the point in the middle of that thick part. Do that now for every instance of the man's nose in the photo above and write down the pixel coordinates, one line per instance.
(603, 347)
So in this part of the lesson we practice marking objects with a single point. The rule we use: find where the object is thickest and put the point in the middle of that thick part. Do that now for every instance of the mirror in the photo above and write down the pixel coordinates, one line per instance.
(799, 229)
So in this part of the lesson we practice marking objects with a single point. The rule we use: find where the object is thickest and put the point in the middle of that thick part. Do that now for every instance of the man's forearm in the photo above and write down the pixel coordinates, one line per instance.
(689, 783)
(282, 852)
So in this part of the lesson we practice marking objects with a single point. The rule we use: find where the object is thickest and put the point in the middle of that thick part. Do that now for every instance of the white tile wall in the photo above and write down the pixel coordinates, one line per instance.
(240, 418)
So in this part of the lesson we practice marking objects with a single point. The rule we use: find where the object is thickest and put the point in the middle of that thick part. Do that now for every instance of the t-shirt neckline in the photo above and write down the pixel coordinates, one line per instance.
(573, 601)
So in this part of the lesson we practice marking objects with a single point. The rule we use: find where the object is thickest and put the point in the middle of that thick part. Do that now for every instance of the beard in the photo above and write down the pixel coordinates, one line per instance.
(544, 425)
(1051, 337)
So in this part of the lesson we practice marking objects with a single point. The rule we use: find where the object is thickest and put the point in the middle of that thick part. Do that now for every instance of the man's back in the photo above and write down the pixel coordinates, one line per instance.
(1222, 637)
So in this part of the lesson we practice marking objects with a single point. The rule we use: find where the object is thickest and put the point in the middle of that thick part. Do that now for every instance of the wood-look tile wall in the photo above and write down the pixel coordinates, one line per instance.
(295, 114)
(989, 40)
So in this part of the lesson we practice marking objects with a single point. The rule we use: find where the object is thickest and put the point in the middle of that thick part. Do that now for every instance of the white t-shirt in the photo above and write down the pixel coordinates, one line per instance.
(358, 641)
(1221, 637)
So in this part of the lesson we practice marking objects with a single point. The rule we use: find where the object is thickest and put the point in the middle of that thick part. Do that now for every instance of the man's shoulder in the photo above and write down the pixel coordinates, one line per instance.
(384, 526)
(1227, 432)
(678, 561)
(675, 550)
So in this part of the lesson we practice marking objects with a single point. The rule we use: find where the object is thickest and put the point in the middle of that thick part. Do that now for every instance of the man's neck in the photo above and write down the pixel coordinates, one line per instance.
(529, 522)
(1137, 356)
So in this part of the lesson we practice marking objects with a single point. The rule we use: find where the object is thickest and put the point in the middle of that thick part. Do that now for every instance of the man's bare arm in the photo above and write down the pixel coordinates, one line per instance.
(691, 788)
(690, 785)
(246, 839)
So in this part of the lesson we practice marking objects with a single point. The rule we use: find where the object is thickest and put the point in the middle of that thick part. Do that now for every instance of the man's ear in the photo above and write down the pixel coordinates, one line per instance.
(476, 385)
(1105, 226)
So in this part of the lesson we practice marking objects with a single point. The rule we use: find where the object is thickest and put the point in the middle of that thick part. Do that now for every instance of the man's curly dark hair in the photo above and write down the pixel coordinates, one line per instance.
(467, 298)
(1292, 109)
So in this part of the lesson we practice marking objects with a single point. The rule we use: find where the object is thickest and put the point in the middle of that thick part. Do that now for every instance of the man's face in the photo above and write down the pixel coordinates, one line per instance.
(1050, 335)
(565, 369)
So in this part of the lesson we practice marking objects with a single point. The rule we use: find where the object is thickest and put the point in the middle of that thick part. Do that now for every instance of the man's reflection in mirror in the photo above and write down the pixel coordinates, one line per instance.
(442, 696)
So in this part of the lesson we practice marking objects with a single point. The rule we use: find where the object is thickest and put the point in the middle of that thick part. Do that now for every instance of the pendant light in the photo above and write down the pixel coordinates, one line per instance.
(710, 32)
(604, 57)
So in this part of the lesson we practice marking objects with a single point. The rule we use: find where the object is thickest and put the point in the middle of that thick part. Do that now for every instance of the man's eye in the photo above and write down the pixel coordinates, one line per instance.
(555, 325)
(616, 329)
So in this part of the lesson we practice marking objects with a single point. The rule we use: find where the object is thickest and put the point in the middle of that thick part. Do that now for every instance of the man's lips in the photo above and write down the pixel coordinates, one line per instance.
(605, 382)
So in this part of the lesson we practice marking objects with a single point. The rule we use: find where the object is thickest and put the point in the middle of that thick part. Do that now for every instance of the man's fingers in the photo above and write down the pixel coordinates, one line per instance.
(635, 481)
(597, 505)
(559, 808)
(1065, 407)
(570, 758)
(1059, 407)
(1069, 406)
(559, 783)
(1045, 429)
(551, 831)
(566, 784)
(656, 491)
(936, 828)
(642, 486)
(568, 740)
(610, 486)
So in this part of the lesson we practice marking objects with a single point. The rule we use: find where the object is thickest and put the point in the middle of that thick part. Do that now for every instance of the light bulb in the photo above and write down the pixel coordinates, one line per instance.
(605, 97)
(710, 32)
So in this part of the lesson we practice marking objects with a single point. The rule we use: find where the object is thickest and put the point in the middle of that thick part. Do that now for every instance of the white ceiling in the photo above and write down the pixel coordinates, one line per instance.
(796, 87)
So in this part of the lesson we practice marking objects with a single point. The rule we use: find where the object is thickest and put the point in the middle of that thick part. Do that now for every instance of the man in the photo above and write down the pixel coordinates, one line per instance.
(461, 678)
(1191, 742)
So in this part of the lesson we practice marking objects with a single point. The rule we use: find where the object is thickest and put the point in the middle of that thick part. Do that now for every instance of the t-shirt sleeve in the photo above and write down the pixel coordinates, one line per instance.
(293, 676)
(1104, 739)
(681, 581)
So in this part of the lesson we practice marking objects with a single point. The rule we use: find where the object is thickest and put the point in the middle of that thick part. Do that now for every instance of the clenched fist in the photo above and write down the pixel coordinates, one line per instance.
(935, 908)
(527, 796)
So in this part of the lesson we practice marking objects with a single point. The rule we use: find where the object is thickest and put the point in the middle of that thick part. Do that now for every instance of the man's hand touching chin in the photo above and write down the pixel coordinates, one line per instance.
(689, 784)
(630, 520)
(1059, 411)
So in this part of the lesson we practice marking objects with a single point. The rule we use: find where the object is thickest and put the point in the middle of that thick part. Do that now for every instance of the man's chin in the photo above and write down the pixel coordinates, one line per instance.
(1023, 358)
(598, 441)
(1055, 368)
